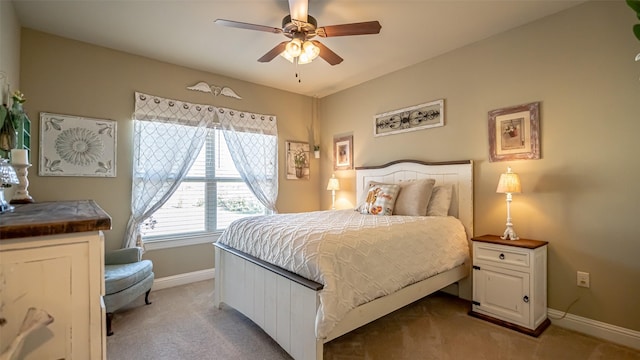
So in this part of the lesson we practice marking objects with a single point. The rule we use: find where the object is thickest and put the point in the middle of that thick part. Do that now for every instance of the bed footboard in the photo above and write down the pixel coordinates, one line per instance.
(284, 305)
(284, 309)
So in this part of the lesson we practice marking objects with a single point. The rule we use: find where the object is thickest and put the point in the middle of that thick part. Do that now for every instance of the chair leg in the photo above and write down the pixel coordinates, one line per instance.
(109, 318)
(146, 297)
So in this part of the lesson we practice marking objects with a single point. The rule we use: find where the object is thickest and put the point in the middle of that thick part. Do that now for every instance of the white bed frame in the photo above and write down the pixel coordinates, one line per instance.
(285, 304)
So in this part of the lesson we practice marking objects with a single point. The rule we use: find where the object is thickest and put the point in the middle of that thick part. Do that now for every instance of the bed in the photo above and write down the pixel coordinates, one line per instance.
(295, 310)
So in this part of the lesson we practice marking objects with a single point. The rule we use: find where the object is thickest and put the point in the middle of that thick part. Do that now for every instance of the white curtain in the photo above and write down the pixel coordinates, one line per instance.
(253, 143)
(168, 136)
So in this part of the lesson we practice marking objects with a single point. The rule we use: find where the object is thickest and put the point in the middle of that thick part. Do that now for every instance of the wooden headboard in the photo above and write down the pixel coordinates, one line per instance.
(457, 173)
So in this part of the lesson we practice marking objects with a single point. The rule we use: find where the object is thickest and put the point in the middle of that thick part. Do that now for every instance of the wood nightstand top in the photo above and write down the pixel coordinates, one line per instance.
(523, 243)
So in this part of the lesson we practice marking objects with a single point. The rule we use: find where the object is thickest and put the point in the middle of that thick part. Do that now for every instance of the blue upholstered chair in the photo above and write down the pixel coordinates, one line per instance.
(126, 277)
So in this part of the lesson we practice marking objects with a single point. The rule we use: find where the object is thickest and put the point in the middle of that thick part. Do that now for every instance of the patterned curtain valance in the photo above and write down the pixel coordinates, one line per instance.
(248, 122)
(155, 108)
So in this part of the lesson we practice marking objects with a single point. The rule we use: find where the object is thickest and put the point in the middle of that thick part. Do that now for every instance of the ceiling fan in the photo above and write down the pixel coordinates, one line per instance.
(301, 27)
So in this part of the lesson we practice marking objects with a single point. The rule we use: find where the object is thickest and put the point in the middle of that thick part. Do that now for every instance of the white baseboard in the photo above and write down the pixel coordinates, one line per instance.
(613, 333)
(183, 279)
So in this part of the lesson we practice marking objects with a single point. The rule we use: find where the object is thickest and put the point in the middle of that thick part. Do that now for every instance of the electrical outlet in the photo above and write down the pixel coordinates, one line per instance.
(583, 279)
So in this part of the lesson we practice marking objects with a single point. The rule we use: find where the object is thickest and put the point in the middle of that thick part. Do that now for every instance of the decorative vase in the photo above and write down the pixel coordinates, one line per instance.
(299, 172)
(316, 153)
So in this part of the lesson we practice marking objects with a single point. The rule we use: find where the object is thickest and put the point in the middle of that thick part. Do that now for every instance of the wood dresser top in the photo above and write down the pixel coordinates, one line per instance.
(51, 218)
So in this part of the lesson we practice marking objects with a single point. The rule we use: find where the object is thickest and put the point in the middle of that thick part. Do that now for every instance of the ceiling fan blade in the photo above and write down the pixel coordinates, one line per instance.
(299, 9)
(363, 28)
(273, 52)
(242, 25)
(327, 54)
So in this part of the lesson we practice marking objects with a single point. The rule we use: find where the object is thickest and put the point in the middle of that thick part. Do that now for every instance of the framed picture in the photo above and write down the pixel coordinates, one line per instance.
(297, 160)
(77, 146)
(343, 153)
(423, 116)
(514, 133)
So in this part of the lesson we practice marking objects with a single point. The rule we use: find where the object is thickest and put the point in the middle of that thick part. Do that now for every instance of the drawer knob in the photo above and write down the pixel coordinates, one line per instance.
(501, 256)
(525, 299)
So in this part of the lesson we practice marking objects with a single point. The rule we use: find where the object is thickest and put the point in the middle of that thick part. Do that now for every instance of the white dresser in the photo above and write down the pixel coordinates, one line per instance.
(510, 283)
(52, 259)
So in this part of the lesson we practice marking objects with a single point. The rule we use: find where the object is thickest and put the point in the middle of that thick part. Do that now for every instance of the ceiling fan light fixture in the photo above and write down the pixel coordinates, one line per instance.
(304, 59)
(286, 55)
(309, 52)
(310, 49)
(294, 48)
(304, 52)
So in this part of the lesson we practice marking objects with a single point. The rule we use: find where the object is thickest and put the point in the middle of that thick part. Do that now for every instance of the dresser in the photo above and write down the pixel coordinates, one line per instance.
(52, 259)
(510, 283)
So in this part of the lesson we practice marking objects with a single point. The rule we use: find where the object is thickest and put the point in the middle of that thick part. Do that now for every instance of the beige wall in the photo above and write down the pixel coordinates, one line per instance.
(9, 47)
(63, 76)
(582, 196)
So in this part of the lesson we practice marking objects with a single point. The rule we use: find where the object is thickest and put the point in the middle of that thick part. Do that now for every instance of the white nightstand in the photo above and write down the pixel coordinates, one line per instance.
(510, 283)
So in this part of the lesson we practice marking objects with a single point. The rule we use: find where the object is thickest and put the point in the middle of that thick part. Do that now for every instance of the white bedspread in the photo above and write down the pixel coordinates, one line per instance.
(356, 257)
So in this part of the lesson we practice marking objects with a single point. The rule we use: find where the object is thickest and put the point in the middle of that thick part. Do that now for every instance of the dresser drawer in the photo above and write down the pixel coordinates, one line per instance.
(504, 255)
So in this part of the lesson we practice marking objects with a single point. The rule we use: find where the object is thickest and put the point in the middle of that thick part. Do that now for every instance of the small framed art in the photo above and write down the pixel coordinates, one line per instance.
(514, 133)
(343, 153)
(297, 160)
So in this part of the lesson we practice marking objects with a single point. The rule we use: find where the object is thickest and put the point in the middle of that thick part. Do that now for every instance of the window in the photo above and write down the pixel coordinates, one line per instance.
(210, 197)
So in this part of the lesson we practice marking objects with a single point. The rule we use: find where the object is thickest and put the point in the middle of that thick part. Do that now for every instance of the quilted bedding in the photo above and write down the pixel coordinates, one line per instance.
(357, 258)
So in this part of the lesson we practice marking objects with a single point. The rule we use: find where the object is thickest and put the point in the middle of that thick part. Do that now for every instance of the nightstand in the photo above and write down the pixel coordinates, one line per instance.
(510, 283)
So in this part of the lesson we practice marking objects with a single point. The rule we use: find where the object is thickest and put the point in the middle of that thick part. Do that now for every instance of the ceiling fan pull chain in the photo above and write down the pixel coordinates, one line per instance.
(298, 75)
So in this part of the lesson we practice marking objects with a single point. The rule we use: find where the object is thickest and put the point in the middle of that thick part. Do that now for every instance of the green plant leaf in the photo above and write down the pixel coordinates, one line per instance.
(636, 30)
(635, 5)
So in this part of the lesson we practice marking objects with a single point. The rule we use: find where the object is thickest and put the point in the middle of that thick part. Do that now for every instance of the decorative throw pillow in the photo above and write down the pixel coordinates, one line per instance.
(380, 200)
(363, 196)
(440, 200)
(413, 197)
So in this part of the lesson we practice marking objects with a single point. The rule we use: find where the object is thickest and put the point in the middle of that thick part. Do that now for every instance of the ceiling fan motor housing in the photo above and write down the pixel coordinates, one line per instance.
(299, 29)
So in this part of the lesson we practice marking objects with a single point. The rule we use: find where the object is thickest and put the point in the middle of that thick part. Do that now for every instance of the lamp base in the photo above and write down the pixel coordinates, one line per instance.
(333, 199)
(509, 234)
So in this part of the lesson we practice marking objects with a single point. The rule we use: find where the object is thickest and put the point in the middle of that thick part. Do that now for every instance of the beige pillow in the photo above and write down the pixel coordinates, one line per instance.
(414, 196)
(440, 200)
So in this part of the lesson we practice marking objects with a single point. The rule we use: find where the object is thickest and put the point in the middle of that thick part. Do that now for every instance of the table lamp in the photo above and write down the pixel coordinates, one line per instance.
(8, 176)
(509, 183)
(333, 185)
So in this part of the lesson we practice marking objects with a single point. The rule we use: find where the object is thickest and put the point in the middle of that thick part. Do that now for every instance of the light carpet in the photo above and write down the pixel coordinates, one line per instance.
(182, 323)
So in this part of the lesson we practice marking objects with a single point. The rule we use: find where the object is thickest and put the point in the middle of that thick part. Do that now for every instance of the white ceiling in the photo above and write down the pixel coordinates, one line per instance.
(182, 32)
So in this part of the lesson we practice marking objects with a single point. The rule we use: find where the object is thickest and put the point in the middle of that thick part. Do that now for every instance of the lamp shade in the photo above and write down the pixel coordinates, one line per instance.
(333, 184)
(509, 183)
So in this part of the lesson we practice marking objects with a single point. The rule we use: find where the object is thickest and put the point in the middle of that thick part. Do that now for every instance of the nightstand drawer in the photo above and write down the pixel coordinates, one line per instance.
(497, 254)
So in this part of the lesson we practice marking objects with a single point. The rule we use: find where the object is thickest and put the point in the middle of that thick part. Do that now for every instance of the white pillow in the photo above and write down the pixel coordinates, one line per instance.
(440, 200)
